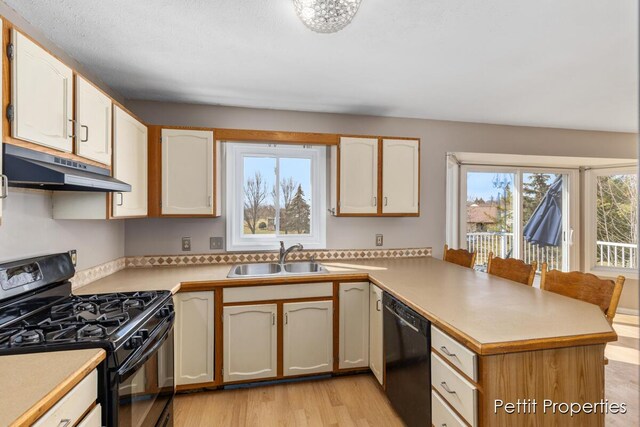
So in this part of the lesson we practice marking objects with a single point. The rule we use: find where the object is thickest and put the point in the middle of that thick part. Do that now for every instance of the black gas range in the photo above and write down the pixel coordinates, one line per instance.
(38, 313)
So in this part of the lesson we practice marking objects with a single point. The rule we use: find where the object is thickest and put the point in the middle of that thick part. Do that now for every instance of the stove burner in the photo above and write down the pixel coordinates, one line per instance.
(86, 306)
(23, 337)
(91, 331)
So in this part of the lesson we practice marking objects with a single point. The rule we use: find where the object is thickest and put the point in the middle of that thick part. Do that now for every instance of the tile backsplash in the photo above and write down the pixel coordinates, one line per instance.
(89, 275)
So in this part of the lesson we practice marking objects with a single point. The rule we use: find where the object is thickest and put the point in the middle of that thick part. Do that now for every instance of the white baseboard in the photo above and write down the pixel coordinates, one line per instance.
(629, 311)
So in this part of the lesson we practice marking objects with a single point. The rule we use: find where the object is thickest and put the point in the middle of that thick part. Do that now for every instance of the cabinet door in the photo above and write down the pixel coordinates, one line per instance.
(354, 325)
(129, 164)
(93, 120)
(41, 91)
(358, 175)
(307, 337)
(400, 176)
(375, 333)
(250, 342)
(187, 172)
(194, 337)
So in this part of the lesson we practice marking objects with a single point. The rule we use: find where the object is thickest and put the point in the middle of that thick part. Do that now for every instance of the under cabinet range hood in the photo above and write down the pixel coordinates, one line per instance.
(34, 169)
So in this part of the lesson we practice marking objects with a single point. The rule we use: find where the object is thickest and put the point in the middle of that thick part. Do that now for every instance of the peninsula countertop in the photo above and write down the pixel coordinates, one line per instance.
(32, 383)
(489, 314)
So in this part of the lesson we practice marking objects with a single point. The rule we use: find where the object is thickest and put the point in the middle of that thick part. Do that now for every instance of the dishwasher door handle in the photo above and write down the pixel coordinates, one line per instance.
(402, 321)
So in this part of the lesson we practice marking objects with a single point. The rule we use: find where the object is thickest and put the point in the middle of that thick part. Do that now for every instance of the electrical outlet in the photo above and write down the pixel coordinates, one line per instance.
(215, 243)
(186, 243)
(378, 239)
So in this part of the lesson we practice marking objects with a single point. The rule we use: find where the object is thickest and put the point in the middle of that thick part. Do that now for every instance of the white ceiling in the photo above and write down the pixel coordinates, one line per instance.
(551, 63)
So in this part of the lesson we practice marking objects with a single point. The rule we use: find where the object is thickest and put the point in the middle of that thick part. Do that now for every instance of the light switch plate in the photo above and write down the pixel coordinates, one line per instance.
(216, 242)
(378, 239)
(186, 243)
(74, 257)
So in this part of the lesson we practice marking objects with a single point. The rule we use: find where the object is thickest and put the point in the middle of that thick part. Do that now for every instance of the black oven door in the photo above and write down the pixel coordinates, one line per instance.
(146, 384)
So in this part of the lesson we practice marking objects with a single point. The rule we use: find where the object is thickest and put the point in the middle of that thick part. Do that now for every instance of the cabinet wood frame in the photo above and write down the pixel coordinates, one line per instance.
(154, 171)
(380, 196)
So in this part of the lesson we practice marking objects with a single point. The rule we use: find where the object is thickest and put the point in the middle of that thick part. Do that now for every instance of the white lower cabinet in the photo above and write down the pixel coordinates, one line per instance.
(307, 337)
(354, 325)
(194, 337)
(442, 414)
(376, 360)
(250, 342)
(70, 409)
(93, 418)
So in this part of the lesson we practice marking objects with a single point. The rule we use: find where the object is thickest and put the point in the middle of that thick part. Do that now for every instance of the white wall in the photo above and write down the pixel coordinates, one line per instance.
(28, 229)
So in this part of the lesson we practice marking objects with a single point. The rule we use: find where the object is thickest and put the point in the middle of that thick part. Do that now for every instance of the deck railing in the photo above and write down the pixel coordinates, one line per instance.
(609, 254)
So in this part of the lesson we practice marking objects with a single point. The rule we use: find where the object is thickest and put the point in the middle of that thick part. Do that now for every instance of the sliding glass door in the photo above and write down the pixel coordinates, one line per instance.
(518, 213)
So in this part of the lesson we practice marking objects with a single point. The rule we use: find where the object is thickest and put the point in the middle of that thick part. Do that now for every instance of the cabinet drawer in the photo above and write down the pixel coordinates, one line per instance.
(277, 292)
(455, 353)
(93, 418)
(458, 392)
(73, 405)
(442, 415)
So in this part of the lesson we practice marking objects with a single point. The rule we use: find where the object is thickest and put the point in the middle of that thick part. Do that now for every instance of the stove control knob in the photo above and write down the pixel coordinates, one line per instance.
(135, 341)
(163, 312)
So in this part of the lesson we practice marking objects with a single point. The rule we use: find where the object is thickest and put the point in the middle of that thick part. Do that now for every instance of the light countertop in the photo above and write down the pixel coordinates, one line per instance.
(489, 314)
(33, 383)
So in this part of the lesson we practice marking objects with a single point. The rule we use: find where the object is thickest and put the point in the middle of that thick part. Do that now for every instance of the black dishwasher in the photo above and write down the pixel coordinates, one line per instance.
(407, 349)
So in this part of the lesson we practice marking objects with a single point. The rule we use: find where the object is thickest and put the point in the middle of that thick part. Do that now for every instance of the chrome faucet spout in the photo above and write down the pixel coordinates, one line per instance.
(284, 252)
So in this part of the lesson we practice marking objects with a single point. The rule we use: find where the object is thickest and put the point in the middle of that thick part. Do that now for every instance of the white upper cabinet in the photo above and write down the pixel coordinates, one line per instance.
(187, 172)
(400, 176)
(358, 176)
(307, 337)
(129, 164)
(376, 359)
(354, 325)
(194, 335)
(41, 95)
(93, 122)
(250, 342)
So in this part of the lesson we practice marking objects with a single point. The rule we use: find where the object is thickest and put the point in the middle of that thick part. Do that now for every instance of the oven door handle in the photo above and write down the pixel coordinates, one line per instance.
(135, 362)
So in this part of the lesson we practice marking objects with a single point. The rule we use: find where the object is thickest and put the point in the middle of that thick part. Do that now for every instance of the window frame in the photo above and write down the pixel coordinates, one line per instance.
(571, 192)
(234, 164)
(590, 217)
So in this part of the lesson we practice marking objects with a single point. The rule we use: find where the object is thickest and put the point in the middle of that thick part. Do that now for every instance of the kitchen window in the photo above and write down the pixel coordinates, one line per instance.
(274, 193)
(611, 209)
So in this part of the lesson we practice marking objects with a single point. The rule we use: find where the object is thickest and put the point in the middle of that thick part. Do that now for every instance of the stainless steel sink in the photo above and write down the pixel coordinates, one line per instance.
(304, 268)
(259, 269)
(272, 269)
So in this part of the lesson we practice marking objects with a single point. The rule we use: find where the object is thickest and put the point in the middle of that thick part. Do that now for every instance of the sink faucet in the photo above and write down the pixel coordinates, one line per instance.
(284, 252)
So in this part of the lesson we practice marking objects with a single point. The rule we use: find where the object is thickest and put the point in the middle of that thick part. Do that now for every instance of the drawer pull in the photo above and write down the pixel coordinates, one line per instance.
(64, 423)
(447, 352)
(446, 388)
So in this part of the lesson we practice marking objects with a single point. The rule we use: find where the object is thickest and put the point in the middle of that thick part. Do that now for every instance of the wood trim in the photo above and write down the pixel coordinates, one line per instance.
(280, 339)
(380, 177)
(573, 374)
(51, 398)
(154, 171)
(199, 386)
(205, 286)
(218, 338)
(277, 301)
(283, 137)
(336, 326)
(337, 183)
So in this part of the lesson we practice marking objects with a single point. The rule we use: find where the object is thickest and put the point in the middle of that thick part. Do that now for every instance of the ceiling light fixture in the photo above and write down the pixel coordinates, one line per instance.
(326, 16)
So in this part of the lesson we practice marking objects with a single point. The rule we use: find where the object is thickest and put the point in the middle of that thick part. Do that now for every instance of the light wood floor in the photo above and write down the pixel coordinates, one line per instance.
(354, 400)
(357, 400)
(623, 370)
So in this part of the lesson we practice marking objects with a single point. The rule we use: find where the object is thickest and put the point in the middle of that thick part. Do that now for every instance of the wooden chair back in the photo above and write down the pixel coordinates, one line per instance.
(512, 269)
(605, 293)
(459, 256)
